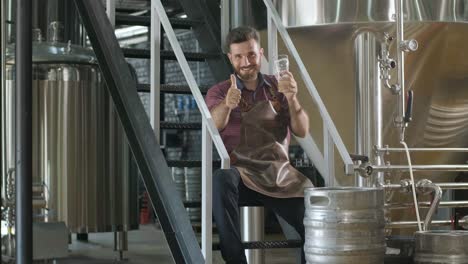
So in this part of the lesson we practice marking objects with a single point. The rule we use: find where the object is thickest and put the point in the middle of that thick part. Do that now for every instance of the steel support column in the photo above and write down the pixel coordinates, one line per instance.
(156, 175)
(24, 132)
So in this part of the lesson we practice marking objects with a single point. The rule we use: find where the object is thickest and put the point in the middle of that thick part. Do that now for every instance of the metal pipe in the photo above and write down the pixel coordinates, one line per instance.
(383, 168)
(401, 68)
(443, 204)
(44, 12)
(207, 195)
(366, 79)
(24, 132)
(72, 23)
(442, 185)
(393, 186)
(426, 186)
(3, 168)
(378, 122)
(411, 224)
(359, 54)
(452, 185)
(387, 149)
(225, 22)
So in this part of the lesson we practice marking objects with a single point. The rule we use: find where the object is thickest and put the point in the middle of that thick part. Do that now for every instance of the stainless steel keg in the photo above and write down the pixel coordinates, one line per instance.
(440, 246)
(193, 191)
(178, 176)
(344, 225)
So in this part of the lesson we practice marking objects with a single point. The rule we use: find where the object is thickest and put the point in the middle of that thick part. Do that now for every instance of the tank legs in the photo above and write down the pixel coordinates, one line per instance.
(120, 243)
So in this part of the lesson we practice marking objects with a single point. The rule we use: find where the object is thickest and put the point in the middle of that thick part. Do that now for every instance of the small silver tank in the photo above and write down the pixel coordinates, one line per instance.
(82, 164)
(442, 247)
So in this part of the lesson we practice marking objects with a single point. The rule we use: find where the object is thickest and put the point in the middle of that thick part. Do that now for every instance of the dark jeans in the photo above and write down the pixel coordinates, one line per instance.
(228, 192)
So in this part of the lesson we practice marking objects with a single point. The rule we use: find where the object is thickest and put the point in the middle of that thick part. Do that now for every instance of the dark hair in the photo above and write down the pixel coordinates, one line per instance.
(241, 34)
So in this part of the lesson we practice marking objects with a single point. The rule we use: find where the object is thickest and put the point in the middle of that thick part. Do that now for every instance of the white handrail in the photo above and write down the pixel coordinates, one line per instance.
(155, 73)
(209, 132)
(328, 122)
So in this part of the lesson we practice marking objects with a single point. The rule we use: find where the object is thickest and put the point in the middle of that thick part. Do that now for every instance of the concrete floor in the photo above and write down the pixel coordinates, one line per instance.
(146, 245)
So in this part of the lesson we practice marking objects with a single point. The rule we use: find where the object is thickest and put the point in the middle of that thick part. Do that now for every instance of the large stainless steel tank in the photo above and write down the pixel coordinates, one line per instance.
(345, 37)
(81, 161)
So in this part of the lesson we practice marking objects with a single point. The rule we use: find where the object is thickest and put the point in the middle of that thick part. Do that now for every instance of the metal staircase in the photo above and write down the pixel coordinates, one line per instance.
(200, 23)
(154, 167)
(145, 146)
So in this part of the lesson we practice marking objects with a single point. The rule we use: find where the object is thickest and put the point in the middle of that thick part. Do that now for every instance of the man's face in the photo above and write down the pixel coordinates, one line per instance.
(246, 57)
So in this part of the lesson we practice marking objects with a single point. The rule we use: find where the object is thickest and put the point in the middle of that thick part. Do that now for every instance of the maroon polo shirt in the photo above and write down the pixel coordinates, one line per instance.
(216, 94)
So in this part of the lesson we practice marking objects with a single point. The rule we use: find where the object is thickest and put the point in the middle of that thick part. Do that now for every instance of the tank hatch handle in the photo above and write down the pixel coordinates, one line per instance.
(409, 107)
(362, 158)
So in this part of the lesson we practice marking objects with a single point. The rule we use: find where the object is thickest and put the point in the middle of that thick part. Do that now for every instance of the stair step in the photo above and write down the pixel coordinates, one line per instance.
(168, 55)
(130, 20)
(180, 125)
(190, 163)
(197, 204)
(170, 88)
(267, 244)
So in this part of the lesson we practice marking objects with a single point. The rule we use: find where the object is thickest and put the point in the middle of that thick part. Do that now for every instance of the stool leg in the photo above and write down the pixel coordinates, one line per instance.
(252, 228)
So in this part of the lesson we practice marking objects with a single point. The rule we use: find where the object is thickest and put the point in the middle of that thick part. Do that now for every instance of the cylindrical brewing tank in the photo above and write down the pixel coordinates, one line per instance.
(442, 247)
(81, 158)
(346, 37)
(344, 225)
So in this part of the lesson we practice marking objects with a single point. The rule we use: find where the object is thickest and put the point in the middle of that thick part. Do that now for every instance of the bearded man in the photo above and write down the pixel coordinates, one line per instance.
(255, 114)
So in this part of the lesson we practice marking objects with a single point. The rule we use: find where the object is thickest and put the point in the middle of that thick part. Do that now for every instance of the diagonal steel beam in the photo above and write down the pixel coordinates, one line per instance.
(156, 175)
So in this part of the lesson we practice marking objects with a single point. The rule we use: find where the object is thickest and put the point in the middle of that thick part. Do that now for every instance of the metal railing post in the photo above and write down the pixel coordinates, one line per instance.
(155, 69)
(207, 195)
(110, 11)
(329, 157)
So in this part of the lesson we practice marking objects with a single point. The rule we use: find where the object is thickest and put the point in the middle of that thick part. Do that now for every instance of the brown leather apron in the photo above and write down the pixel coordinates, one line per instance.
(262, 155)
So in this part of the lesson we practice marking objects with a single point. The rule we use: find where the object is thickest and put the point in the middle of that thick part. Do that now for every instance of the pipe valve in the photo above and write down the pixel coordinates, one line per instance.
(409, 45)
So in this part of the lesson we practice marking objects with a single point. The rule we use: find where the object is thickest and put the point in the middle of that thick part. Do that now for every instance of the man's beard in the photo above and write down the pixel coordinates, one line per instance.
(248, 75)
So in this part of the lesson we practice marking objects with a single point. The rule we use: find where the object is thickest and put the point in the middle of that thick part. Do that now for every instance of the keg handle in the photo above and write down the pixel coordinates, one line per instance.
(319, 201)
